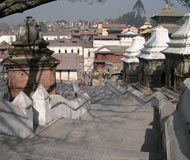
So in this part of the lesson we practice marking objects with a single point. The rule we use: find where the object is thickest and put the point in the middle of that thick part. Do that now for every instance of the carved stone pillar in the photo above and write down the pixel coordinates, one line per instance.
(29, 62)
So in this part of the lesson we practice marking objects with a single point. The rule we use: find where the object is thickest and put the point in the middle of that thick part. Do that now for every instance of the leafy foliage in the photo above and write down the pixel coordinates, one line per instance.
(129, 18)
(134, 18)
(139, 8)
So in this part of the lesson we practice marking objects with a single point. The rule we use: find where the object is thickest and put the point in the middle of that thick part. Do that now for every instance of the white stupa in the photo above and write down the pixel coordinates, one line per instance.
(134, 50)
(157, 43)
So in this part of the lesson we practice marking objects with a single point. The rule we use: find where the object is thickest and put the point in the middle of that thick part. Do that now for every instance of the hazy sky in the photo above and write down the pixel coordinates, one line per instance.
(63, 9)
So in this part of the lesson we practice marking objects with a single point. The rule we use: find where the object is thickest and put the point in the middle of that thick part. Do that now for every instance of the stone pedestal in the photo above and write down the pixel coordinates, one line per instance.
(152, 72)
(30, 63)
(178, 57)
(131, 62)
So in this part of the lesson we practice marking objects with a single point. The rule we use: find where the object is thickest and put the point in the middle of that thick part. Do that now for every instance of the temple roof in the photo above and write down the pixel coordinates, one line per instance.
(67, 61)
(153, 47)
(4, 45)
(112, 49)
(134, 50)
(180, 42)
(166, 12)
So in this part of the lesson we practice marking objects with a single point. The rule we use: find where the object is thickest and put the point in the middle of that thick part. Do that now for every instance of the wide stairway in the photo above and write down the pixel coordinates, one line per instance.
(115, 128)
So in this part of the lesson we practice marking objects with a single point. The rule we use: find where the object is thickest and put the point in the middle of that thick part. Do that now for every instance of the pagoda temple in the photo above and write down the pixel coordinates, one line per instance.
(167, 18)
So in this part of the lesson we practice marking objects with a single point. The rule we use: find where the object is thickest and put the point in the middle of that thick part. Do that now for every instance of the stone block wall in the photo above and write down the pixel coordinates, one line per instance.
(175, 127)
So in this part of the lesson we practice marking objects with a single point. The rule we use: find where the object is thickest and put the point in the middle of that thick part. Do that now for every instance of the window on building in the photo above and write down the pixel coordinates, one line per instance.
(71, 50)
(65, 51)
(88, 53)
(11, 39)
(59, 51)
(78, 51)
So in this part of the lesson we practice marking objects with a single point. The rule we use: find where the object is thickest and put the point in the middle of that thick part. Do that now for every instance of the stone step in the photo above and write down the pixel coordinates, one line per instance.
(44, 153)
(146, 91)
(117, 89)
(170, 94)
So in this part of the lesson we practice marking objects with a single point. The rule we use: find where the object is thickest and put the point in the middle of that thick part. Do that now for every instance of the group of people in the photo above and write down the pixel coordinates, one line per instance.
(86, 80)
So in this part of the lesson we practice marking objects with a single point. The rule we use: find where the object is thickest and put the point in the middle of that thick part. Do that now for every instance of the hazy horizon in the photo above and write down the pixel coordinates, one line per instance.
(69, 11)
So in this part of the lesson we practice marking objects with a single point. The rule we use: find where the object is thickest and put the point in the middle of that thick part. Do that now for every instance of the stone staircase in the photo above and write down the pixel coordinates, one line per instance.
(115, 128)
(170, 94)
(117, 89)
(146, 91)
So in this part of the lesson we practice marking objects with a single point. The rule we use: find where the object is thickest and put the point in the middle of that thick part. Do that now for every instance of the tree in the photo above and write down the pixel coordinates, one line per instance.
(129, 18)
(8, 7)
(139, 8)
(134, 18)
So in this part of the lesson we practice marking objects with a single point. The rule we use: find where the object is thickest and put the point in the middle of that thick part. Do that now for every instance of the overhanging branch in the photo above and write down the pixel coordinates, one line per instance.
(8, 7)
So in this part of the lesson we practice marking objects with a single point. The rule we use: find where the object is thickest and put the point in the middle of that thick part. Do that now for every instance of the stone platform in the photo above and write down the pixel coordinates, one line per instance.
(115, 128)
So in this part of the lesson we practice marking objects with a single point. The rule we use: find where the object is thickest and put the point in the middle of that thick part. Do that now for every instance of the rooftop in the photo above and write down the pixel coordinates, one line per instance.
(67, 61)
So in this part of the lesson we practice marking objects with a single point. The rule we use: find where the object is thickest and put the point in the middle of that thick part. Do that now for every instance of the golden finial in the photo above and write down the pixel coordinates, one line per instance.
(167, 6)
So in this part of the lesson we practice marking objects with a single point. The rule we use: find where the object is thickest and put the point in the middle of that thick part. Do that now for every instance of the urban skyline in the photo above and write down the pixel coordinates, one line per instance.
(79, 10)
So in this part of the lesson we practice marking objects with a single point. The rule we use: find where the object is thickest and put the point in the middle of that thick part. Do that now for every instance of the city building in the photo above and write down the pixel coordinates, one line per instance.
(9, 38)
(109, 54)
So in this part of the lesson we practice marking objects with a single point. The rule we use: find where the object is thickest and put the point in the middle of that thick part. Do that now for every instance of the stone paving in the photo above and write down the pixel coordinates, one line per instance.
(116, 128)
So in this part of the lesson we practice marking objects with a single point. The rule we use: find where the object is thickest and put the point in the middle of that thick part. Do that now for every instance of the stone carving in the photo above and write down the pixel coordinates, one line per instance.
(29, 63)
(30, 35)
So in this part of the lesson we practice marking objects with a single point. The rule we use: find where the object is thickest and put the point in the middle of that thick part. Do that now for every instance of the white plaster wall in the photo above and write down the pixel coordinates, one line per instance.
(68, 48)
(126, 41)
(58, 75)
(99, 43)
(50, 38)
(88, 60)
(8, 38)
(64, 75)
(73, 75)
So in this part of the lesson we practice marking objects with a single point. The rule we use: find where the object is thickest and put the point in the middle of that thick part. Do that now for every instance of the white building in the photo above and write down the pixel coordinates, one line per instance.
(9, 38)
(85, 57)
(88, 57)
(50, 36)
(100, 41)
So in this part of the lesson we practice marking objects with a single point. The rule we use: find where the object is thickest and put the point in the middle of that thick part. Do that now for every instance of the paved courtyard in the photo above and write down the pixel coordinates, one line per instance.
(115, 128)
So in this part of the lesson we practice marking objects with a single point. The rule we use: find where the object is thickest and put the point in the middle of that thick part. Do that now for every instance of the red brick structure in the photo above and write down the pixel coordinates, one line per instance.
(30, 63)
(108, 54)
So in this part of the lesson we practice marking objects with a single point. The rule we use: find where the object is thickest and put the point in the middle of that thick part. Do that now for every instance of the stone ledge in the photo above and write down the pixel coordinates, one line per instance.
(177, 138)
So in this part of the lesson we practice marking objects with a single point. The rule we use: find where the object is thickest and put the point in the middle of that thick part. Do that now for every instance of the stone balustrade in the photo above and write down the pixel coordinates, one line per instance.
(50, 107)
(16, 118)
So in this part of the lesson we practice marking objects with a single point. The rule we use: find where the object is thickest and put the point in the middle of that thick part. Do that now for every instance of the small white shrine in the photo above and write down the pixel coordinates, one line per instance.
(130, 60)
(178, 56)
(152, 60)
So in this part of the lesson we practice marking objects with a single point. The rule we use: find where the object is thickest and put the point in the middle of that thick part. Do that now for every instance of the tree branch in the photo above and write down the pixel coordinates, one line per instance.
(8, 7)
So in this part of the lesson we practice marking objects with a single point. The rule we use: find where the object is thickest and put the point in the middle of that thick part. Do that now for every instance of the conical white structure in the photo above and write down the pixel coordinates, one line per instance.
(134, 50)
(157, 43)
(180, 43)
(177, 64)
(152, 59)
